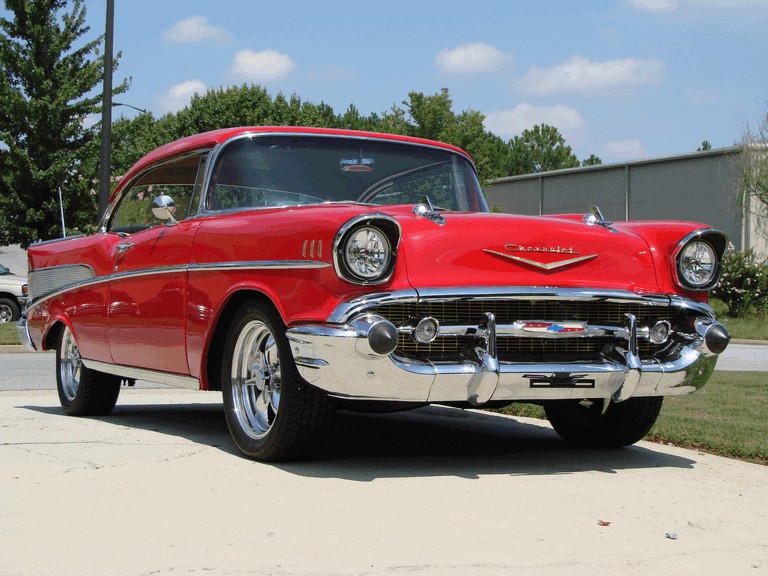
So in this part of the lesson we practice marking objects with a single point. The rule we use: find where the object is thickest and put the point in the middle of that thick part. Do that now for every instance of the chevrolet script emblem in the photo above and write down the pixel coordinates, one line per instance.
(547, 257)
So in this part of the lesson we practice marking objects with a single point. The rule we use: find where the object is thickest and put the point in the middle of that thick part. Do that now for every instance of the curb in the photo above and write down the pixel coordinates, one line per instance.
(751, 342)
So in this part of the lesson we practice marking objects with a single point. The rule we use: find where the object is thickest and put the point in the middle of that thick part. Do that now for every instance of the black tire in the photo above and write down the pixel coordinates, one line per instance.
(584, 423)
(272, 413)
(82, 391)
(9, 310)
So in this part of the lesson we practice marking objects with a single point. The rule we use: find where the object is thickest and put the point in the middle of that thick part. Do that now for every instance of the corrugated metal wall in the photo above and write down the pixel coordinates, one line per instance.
(700, 187)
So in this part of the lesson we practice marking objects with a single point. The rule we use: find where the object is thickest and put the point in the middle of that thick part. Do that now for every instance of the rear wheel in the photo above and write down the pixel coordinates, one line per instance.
(82, 391)
(272, 413)
(9, 310)
(621, 424)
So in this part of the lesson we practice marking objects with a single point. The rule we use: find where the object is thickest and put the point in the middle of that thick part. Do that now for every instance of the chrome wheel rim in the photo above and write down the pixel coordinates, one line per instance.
(70, 366)
(256, 379)
(5, 313)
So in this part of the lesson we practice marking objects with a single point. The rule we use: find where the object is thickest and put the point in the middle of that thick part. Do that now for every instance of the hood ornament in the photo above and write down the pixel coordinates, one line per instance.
(595, 218)
(572, 257)
(424, 209)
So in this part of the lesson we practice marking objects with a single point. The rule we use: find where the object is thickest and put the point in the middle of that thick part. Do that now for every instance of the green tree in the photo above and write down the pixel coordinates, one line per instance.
(540, 149)
(432, 116)
(591, 161)
(47, 80)
(705, 145)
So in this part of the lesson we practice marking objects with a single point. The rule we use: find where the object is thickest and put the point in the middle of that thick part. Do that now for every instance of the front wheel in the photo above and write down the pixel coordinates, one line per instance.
(82, 391)
(586, 423)
(9, 310)
(272, 413)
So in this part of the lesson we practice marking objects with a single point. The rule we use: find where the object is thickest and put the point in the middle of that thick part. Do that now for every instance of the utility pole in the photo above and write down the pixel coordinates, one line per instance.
(106, 113)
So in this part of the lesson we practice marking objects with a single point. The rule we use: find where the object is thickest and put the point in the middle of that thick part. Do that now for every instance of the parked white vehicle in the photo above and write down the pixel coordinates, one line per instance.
(13, 295)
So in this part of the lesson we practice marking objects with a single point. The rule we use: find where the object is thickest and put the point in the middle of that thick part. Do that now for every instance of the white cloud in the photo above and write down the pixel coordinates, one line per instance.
(654, 5)
(264, 66)
(672, 5)
(471, 58)
(508, 123)
(179, 95)
(625, 149)
(580, 74)
(195, 29)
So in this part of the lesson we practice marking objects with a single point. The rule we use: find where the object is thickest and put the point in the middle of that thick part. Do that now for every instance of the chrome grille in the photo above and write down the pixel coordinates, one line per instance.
(527, 349)
(507, 311)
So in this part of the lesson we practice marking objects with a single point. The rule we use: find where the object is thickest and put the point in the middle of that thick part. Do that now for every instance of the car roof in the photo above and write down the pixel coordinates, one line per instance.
(210, 139)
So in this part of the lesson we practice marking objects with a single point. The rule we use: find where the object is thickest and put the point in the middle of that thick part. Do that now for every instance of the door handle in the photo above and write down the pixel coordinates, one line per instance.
(124, 247)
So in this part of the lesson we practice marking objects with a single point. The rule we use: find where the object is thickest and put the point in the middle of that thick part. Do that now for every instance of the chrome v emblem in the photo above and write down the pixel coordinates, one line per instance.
(543, 265)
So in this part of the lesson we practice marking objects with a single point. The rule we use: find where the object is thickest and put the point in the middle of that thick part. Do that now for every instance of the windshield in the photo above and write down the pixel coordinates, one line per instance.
(296, 170)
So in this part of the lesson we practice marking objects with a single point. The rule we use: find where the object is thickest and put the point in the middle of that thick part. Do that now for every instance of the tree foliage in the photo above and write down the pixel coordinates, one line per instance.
(47, 81)
(46, 92)
(540, 149)
(755, 162)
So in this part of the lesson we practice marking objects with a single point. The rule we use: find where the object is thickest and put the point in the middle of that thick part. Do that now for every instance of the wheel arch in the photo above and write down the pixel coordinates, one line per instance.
(53, 334)
(212, 362)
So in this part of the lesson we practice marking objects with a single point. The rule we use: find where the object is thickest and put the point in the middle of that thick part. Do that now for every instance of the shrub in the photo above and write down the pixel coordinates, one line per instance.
(744, 284)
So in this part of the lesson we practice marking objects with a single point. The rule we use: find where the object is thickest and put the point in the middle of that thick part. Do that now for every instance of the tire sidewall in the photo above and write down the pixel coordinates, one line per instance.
(275, 438)
(13, 307)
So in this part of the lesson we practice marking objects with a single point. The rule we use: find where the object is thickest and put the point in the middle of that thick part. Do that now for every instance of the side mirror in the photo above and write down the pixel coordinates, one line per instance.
(163, 207)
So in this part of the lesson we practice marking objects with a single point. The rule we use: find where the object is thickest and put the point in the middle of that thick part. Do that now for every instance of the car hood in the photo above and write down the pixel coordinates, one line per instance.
(12, 280)
(480, 249)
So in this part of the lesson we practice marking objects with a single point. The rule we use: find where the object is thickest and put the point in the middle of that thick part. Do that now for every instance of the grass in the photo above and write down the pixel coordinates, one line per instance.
(728, 417)
(746, 328)
(750, 328)
(8, 333)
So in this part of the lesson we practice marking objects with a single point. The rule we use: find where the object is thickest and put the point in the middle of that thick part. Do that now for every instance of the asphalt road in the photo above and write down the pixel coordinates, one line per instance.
(157, 488)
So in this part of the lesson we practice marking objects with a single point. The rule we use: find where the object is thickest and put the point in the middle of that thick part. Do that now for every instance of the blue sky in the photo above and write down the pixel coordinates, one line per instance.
(623, 79)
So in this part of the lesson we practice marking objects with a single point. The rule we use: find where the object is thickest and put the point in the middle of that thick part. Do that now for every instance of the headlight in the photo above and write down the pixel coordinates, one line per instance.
(365, 249)
(698, 260)
(367, 253)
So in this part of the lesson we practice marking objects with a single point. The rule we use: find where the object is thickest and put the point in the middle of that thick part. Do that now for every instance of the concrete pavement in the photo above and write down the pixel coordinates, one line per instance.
(158, 488)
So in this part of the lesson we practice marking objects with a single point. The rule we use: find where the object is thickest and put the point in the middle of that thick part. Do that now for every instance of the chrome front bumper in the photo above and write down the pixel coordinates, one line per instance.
(351, 360)
(24, 336)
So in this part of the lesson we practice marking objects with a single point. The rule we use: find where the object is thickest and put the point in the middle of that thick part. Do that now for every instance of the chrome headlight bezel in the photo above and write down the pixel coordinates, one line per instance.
(698, 260)
(365, 249)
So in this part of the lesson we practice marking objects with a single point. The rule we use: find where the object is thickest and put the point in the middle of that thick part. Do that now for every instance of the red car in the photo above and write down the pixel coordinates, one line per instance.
(299, 269)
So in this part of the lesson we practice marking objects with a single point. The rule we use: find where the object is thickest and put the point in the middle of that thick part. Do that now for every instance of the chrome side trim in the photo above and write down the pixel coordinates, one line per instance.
(260, 265)
(52, 240)
(215, 266)
(167, 378)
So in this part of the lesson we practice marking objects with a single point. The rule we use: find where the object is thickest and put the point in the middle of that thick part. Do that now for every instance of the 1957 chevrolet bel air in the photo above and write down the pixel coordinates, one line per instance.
(298, 269)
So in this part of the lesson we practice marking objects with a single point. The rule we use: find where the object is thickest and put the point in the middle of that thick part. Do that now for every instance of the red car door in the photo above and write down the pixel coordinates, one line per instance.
(147, 298)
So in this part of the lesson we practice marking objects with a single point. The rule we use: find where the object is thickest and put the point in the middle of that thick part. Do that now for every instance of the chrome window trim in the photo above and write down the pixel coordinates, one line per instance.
(168, 160)
(217, 150)
(187, 268)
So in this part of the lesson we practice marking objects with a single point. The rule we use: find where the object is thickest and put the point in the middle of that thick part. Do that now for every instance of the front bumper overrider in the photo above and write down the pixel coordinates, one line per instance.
(350, 359)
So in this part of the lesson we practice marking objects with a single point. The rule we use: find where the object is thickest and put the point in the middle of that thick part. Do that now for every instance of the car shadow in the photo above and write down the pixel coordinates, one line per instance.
(429, 441)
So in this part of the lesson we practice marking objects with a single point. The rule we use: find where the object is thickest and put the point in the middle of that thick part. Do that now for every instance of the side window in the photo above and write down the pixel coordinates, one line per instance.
(177, 179)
